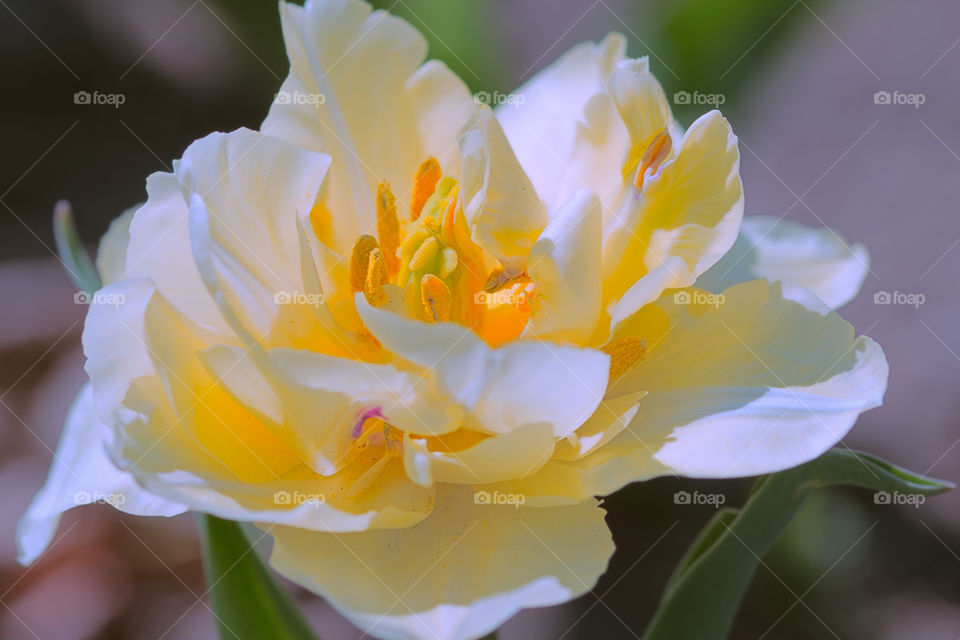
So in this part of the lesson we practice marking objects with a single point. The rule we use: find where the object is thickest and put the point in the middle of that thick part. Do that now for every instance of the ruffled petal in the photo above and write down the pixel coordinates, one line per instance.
(743, 385)
(112, 252)
(681, 223)
(808, 258)
(503, 388)
(565, 267)
(81, 473)
(457, 575)
(502, 207)
(544, 123)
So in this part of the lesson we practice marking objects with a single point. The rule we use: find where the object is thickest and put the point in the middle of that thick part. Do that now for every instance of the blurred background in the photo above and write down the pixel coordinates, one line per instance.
(799, 79)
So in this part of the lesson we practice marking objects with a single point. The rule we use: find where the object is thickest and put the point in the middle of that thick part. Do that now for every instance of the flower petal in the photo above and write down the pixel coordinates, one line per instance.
(506, 387)
(112, 252)
(816, 260)
(246, 192)
(755, 385)
(499, 201)
(356, 91)
(82, 473)
(690, 209)
(457, 575)
(565, 266)
(543, 124)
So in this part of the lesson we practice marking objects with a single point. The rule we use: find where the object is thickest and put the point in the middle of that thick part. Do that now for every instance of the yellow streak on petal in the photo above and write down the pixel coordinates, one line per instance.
(376, 278)
(424, 183)
(436, 298)
(625, 352)
(359, 261)
(388, 226)
(656, 153)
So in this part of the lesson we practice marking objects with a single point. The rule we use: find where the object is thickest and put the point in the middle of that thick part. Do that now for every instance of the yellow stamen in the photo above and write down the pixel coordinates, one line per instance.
(424, 184)
(656, 153)
(388, 227)
(376, 278)
(436, 298)
(625, 352)
(427, 252)
(448, 261)
(359, 261)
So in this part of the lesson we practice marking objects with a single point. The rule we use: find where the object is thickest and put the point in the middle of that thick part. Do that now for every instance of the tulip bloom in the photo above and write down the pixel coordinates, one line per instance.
(412, 338)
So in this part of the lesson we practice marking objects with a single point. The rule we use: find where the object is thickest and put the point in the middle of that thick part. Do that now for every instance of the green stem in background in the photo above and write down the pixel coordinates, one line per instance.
(246, 600)
(74, 257)
(704, 593)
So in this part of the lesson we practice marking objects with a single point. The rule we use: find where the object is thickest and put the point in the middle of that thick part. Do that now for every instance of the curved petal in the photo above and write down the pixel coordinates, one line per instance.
(356, 90)
(565, 266)
(112, 252)
(504, 212)
(246, 192)
(690, 210)
(542, 127)
(816, 260)
(457, 575)
(82, 473)
(747, 384)
(506, 387)
(159, 249)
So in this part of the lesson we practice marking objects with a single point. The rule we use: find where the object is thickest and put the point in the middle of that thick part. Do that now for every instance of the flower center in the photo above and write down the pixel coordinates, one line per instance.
(428, 267)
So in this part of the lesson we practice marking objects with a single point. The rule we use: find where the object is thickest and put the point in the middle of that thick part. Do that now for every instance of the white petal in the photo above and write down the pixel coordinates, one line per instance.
(755, 385)
(81, 473)
(458, 574)
(365, 100)
(246, 192)
(543, 121)
(516, 384)
(565, 266)
(817, 260)
(689, 209)
(499, 201)
(112, 252)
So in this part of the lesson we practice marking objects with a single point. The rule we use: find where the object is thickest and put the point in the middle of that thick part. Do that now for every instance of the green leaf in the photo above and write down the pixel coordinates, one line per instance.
(246, 600)
(702, 597)
(74, 257)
